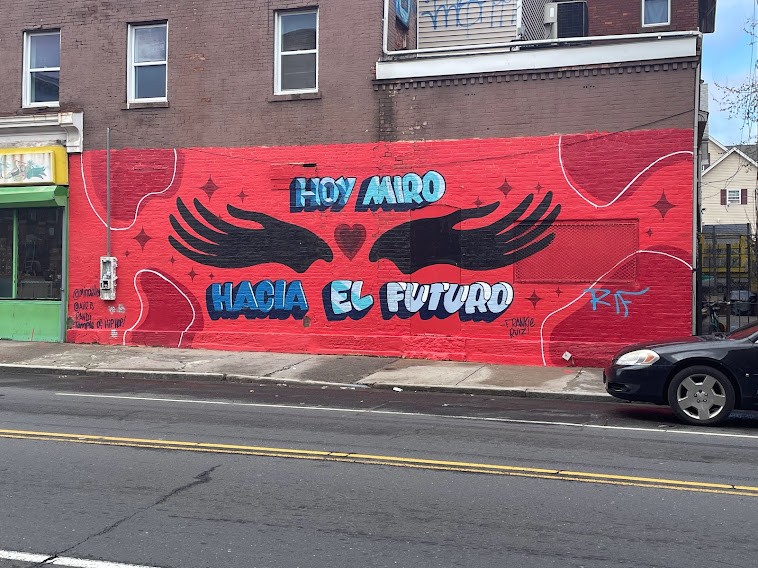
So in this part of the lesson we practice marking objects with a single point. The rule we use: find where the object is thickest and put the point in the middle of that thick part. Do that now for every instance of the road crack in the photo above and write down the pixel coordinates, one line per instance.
(204, 477)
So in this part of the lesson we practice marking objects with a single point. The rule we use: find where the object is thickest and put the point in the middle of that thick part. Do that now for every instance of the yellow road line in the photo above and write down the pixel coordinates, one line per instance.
(417, 463)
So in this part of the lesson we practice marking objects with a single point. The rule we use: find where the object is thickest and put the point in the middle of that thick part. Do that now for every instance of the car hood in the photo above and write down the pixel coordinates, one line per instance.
(680, 345)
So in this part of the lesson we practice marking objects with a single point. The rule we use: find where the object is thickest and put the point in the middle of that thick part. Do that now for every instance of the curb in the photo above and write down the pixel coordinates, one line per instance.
(517, 392)
(43, 370)
(168, 375)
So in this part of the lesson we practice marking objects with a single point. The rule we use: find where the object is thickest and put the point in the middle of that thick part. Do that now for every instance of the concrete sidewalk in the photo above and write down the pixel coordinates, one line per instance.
(358, 371)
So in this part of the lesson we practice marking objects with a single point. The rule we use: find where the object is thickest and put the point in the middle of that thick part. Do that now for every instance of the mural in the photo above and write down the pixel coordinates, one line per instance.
(507, 250)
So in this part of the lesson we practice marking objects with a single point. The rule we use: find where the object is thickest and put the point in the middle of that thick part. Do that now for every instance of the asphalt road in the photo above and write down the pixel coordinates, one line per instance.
(170, 474)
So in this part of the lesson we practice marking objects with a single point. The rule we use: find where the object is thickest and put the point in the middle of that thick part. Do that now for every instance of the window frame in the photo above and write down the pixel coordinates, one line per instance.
(26, 83)
(131, 64)
(668, 17)
(729, 197)
(278, 53)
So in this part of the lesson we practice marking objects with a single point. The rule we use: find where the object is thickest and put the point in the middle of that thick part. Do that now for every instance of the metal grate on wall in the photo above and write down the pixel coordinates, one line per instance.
(583, 251)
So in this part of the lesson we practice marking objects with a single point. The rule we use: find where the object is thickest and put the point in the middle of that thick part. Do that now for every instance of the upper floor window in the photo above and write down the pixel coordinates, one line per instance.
(656, 12)
(42, 68)
(734, 197)
(296, 66)
(147, 72)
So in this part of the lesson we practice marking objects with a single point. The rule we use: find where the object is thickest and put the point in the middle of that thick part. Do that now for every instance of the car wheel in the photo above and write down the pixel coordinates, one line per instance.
(701, 395)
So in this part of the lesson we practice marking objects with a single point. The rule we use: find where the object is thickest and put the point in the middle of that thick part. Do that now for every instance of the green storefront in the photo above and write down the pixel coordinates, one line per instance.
(33, 241)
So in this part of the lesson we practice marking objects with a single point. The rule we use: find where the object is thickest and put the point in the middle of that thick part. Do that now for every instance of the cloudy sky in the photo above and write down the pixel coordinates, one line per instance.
(728, 59)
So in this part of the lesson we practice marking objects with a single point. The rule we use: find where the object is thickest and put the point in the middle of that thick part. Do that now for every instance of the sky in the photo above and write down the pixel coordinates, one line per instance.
(728, 59)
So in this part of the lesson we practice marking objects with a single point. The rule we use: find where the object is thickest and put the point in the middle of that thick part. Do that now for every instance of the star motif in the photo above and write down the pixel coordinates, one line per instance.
(192, 274)
(126, 253)
(663, 205)
(478, 202)
(538, 187)
(559, 292)
(172, 260)
(209, 188)
(142, 238)
(210, 276)
(506, 188)
(242, 195)
(649, 232)
(534, 299)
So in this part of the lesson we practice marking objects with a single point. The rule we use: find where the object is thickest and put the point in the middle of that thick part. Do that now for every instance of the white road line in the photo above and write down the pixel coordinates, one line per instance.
(64, 560)
(422, 414)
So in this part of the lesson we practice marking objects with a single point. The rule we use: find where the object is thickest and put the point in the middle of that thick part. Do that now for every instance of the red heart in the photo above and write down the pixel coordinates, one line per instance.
(350, 239)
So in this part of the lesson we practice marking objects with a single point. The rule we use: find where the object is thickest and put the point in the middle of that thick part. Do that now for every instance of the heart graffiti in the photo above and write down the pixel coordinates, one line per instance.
(350, 239)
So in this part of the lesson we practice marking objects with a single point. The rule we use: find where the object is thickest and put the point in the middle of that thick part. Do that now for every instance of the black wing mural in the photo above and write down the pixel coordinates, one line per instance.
(226, 245)
(435, 240)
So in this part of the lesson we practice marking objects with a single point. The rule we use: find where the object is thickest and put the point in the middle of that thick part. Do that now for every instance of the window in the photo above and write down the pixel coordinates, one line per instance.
(733, 197)
(42, 68)
(296, 66)
(30, 253)
(147, 72)
(656, 13)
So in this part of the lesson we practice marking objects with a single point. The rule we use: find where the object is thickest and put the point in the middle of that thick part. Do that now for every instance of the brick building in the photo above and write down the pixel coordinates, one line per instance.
(494, 180)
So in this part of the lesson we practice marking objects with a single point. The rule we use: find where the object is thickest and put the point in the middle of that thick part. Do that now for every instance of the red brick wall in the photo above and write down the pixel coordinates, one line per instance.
(616, 17)
(595, 253)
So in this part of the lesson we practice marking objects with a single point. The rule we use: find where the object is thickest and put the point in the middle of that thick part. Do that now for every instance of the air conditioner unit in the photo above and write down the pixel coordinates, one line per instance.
(566, 19)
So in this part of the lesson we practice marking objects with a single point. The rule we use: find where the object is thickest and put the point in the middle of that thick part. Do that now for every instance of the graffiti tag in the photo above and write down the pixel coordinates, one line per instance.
(619, 296)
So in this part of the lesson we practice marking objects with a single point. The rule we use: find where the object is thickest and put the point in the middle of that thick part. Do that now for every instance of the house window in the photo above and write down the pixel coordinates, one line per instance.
(296, 66)
(733, 197)
(42, 68)
(148, 62)
(656, 12)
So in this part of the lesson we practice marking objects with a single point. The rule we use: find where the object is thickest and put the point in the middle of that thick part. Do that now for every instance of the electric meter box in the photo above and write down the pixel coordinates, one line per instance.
(108, 266)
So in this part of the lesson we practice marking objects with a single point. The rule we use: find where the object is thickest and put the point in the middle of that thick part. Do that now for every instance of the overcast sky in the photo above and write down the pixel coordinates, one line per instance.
(728, 59)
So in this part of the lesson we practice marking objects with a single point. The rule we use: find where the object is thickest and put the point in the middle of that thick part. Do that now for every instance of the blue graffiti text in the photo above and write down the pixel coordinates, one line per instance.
(266, 299)
(344, 299)
(619, 297)
(478, 301)
(319, 194)
(400, 193)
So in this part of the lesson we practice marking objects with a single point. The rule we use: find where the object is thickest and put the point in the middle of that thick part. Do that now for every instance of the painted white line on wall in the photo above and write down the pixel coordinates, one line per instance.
(63, 560)
(624, 190)
(139, 204)
(142, 305)
(418, 414)
(595, 283)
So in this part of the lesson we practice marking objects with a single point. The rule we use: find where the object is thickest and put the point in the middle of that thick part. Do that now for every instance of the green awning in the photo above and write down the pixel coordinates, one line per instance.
(34, 196)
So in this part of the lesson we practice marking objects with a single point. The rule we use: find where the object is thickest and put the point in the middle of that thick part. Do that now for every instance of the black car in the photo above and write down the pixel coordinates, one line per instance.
(701, 378)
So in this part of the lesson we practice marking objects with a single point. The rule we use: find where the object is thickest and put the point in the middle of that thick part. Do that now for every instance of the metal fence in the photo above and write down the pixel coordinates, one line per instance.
(728, 281)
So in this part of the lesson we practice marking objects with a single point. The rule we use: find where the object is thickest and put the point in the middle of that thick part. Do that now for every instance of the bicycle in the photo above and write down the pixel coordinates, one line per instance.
(711, 322)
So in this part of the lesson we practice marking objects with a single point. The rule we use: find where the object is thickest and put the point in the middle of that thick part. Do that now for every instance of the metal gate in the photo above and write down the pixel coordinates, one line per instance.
(727, 289)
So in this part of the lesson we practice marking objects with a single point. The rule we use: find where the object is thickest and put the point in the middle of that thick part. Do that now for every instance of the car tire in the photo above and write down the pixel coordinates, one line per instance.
(701, 395)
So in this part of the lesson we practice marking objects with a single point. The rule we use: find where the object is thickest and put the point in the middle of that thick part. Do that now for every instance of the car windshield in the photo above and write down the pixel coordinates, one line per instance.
(744, 331)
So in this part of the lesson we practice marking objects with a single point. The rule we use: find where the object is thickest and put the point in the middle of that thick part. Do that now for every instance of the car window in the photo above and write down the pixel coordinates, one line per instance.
(744, 331)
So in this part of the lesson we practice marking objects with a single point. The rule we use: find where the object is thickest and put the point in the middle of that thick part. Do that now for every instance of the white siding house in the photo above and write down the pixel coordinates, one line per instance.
(729, 187)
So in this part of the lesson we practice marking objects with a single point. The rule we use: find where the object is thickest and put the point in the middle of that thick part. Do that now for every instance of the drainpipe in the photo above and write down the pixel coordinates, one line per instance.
(107, 191)
(696, 180)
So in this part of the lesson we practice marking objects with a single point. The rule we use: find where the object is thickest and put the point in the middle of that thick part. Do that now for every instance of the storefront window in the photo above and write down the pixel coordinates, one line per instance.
(39, 265)
(6, 253)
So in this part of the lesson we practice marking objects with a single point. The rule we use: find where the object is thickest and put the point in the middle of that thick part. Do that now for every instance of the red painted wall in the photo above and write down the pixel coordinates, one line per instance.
(579, 243)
